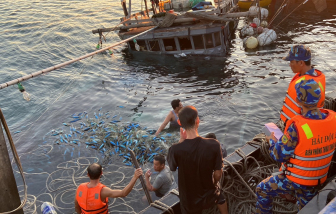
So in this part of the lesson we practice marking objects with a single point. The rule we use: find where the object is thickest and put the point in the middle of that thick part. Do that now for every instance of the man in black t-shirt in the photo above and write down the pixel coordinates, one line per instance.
(199, 161)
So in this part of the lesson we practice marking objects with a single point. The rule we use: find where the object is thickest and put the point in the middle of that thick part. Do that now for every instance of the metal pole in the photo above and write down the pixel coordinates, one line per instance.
(123, 4)
(9, 197)
(129, 8)
(146, 8)
(29, 76)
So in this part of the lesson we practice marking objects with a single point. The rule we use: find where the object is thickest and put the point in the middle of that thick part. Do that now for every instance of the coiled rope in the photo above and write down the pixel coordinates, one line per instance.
(241, 178)
(162, 206)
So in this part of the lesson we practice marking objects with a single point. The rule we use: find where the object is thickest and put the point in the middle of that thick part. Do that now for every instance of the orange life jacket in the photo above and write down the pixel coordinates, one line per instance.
(89, 199)
(290, 107)
(312, 155)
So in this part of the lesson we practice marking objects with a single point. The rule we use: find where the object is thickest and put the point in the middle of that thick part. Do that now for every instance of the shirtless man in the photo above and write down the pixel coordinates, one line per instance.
(172, 116)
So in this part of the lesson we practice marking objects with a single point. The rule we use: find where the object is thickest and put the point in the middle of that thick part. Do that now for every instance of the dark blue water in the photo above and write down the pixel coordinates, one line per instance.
(235, 95)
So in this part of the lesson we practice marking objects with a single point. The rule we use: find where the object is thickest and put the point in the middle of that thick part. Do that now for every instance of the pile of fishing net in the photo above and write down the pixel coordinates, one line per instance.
(112, 137)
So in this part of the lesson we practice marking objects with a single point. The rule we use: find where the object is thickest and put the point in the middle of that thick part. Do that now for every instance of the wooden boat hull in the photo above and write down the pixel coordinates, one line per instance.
(189, 39)
(247, 4)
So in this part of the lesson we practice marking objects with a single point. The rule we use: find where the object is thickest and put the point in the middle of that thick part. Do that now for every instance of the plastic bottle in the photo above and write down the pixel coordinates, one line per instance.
(48, 208)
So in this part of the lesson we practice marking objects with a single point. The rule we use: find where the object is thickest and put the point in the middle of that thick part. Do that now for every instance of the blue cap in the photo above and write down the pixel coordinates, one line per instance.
(308, 92)
(298, 53)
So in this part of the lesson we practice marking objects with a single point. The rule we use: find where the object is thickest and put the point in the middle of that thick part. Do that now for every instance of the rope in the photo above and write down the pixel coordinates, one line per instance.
(283, 5)
(175, 192)
(17, 161)
(162, 206)
(290, 13)
(248, 187)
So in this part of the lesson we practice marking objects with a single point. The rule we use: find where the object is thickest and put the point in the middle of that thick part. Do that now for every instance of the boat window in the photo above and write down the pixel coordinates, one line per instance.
(142, 45)
(154, 45)
(217, 39)
(169, 44)
(198, 42)
(185, 43)
(208, 41)
(132, 45)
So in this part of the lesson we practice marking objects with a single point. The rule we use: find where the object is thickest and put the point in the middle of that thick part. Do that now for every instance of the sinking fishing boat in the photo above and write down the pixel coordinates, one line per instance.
(201, 32)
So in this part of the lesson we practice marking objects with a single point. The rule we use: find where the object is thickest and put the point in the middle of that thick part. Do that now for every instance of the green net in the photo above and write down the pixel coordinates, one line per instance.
(194, 2)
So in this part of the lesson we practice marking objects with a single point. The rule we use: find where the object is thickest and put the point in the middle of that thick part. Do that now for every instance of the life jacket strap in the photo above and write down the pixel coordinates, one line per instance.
(312, 159)
(304, 177)
(293, 101)
(290, 165)
(294, 112)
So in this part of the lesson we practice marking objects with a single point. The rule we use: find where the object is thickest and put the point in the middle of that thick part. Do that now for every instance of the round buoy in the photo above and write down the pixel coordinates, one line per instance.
(263, 11)
(267, 37)
(254, 25)
(260, 30)
(251, 42)
(257, 21)
(264, 24)
(247, 31)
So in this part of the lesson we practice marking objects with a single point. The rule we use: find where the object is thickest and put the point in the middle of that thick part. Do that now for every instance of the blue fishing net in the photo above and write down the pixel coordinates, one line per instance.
(107, 134)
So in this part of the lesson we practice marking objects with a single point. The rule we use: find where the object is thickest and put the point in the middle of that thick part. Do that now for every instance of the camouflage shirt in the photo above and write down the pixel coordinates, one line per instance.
(311, 72)
(282, 151)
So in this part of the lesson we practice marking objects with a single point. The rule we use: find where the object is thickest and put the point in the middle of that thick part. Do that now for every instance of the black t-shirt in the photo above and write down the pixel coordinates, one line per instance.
(196, 160)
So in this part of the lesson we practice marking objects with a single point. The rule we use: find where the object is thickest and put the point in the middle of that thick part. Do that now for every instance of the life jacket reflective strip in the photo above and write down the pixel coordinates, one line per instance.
(316, 145)
(89, 199)
(290, 108)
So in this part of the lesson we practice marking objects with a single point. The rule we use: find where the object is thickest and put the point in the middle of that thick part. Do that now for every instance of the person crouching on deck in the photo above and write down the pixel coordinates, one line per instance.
(92, 197)
(303, 151)
(163, 181)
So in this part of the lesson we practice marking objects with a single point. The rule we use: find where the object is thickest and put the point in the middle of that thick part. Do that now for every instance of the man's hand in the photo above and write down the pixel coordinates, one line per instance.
(183, 135)
(148, 174)
(271, 137)
(138, 173)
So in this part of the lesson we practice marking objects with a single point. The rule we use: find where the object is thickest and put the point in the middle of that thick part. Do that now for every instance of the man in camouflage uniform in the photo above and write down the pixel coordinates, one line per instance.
(308, 94)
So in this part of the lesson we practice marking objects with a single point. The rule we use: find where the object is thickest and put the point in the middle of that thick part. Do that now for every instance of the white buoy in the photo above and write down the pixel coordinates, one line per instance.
(264, 24)
(265, 29)
(247, 31)
(263, 11)
(251, 42)
(267, 37)
(257, 21)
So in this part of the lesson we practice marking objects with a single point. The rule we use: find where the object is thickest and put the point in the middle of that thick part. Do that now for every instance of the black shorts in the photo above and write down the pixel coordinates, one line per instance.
(216, 197)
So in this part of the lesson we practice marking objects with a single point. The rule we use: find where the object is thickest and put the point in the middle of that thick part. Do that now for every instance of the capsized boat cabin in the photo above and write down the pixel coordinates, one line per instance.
(201, 32)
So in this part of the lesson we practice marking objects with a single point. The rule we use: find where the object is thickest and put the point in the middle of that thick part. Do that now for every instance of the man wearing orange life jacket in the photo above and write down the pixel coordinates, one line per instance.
(92, 197)
(305, 150)
(300, 63)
